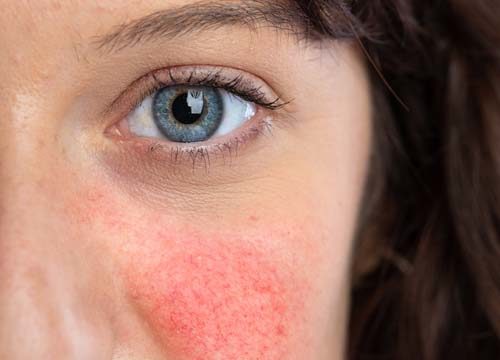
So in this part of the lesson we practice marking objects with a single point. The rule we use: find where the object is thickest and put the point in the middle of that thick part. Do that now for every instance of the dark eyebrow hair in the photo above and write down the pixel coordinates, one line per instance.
(284, 16)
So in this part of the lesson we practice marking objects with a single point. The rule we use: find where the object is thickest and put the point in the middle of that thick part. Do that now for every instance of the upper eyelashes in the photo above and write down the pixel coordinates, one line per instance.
(233, 81)
(194, 104)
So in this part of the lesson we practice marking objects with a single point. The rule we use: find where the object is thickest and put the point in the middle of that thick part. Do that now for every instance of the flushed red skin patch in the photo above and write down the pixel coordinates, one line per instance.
(221, 300)
(212, 295)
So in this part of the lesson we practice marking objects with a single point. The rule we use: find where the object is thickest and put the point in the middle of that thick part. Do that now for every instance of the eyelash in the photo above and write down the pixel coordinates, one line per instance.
(238, 85)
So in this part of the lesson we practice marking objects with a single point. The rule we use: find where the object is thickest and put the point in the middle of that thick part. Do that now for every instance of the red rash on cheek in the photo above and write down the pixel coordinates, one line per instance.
(218, 299)
(239, 295)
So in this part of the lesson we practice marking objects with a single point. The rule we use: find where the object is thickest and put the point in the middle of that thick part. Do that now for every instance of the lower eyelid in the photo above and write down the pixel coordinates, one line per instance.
(154, 168)
(229, 145)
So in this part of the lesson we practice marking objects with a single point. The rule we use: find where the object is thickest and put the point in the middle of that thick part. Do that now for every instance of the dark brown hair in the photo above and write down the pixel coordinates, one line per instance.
(426, 277)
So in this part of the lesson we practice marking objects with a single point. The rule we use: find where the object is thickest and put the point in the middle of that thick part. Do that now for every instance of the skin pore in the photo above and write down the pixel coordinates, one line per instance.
(119, 247)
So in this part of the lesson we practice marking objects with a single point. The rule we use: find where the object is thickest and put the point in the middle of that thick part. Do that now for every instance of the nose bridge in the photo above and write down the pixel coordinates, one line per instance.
(47, 304)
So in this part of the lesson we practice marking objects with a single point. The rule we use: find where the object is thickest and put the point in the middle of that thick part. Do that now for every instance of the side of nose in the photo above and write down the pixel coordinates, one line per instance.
(53, 304)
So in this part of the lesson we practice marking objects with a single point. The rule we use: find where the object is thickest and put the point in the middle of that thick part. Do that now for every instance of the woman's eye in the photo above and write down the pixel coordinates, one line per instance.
(186, 114)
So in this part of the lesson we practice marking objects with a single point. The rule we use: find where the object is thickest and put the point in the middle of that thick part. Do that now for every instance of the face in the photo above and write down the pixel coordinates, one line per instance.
(175, 184)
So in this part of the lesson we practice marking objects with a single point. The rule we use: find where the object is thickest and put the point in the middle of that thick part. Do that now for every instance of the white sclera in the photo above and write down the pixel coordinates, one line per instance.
(236, 112)
(141, 122)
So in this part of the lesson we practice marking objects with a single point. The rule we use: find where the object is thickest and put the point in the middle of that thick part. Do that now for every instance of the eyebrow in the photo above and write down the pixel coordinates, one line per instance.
(284, 16)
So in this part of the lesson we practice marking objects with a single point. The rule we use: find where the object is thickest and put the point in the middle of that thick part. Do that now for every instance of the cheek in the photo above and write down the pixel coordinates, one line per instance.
(219, 297)
(215, 294)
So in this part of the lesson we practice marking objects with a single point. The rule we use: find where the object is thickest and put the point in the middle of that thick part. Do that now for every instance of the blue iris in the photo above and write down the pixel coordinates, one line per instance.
(188, 113)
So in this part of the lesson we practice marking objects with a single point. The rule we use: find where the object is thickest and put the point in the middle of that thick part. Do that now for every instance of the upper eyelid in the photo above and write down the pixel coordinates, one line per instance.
(238, 83)
(156, 79)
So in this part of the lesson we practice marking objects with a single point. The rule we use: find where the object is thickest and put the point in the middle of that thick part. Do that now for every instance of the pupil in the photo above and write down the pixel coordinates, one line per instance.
(184, 111)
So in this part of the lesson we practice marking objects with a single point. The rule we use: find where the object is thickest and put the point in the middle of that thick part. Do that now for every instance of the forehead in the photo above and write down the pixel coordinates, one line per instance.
(51, 25)
(40, 38)
(33, 19)
(51, 32)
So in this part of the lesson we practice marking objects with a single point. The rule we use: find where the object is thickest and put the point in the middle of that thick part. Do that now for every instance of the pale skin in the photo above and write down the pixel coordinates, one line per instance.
(109, 249)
